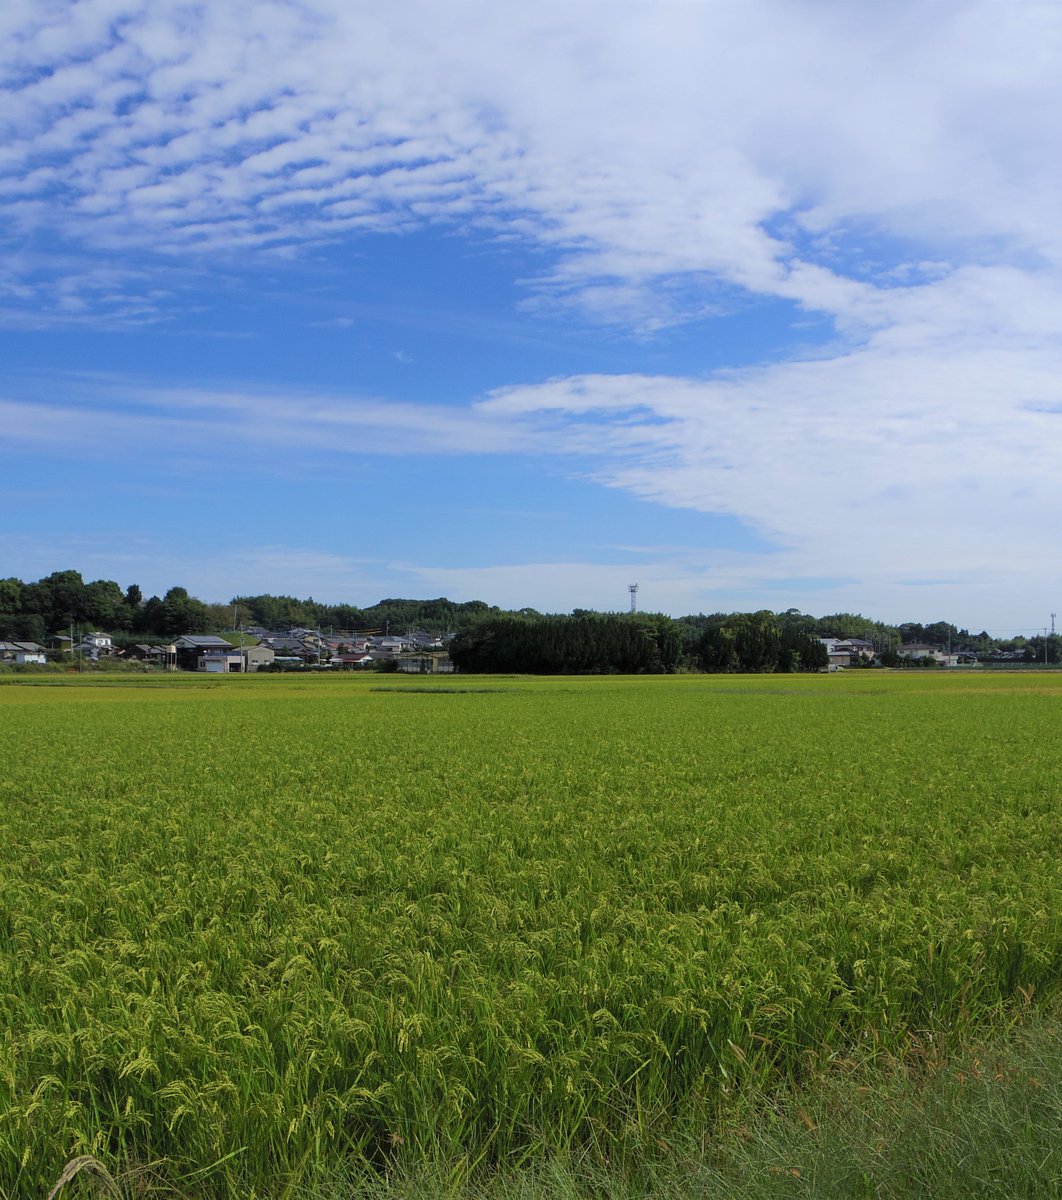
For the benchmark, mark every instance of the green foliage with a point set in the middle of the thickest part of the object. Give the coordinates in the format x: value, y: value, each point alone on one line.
x: 757, y: 643
x: 35, y: 611
x: 583, y: 644
x: 150, y: 618
x: 57, y: 600
x: 105, y: 606
x: 286, y: 612
x: 1044, y: 649
x: 846, y: 625
x: 982, y: 1126
x: 182, y: 613
x: 277, y: 612
x: 11, y: 595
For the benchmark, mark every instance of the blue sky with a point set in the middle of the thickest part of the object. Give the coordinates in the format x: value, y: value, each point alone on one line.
x: 754, y: 304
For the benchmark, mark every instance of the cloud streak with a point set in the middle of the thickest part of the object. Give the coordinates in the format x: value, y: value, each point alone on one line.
x: 109, y: 414
x: 877, y: 464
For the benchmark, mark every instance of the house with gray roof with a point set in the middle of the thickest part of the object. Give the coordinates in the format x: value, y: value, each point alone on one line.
x: 22, y: 652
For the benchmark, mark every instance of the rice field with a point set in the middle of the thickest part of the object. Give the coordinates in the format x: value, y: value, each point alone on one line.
x: 252, y: 928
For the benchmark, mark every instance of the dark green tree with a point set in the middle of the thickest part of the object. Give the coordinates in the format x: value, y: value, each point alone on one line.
x: 182, y: 613
x: 587, y: 643
x: 59, y: 599
x: 150, y: 619
x: 105, y: 606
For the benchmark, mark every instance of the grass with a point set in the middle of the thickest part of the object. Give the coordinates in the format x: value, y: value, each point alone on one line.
x: 984, y: 1126
x: 270, y: 935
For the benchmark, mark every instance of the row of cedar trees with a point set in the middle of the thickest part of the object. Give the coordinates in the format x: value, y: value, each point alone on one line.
x: 642, y: 643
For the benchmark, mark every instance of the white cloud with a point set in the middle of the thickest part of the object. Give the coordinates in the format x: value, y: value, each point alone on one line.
x: 107, y: 414
x: 930, y: 451
x: 640, y: 141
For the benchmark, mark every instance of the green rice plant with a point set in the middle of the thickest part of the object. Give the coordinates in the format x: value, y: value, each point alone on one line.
x: 256, y: 929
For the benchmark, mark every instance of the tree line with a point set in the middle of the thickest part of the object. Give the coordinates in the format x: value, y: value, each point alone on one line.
x: 287, y: 612
x: 36, y: 611
x: 589, y: 643
x: 523, y: 640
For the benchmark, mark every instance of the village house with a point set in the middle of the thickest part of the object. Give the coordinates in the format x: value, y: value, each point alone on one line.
x: 92, y: 645
x: 22, y: 652
x: 256, y: 657
x: 353, y: 661
x: 295, y: 645
x: 918, y: 650
x: 848, y: 652
x: 191, y: 647
x: 161, y: 656
x: 425, y: 664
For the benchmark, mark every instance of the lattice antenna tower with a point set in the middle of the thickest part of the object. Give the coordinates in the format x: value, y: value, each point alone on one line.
x: 633, y: 589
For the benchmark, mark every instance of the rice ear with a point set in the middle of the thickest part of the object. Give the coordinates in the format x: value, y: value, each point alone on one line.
x: 99, y: 1174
